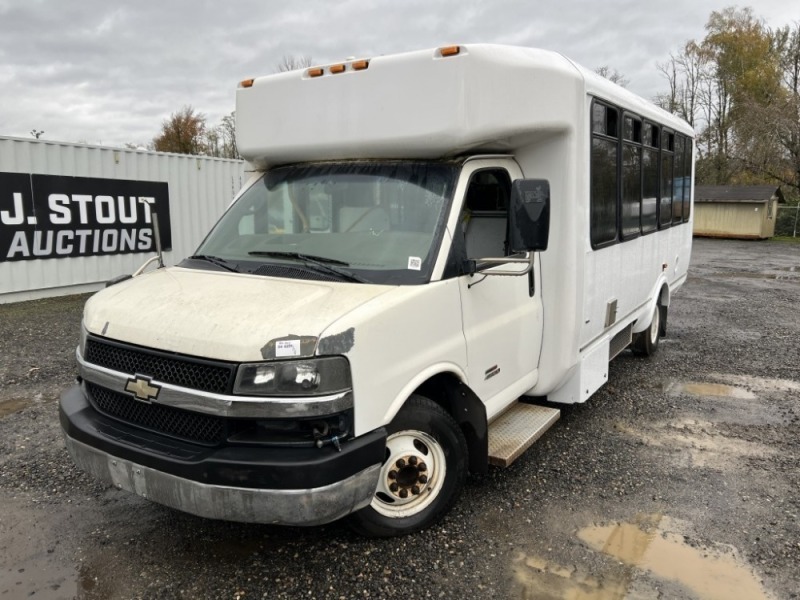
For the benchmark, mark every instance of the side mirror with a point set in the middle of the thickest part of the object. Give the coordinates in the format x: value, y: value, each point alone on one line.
x: 529, y: 215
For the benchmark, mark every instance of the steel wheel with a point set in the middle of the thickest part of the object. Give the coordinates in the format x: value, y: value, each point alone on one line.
x: 412, y: 475
x: 422, y: 474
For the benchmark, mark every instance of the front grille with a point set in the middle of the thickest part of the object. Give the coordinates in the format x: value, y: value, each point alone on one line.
x: 174, y: 422
x: 186, y: 372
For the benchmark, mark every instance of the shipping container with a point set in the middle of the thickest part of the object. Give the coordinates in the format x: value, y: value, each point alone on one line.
x: 73, y: 216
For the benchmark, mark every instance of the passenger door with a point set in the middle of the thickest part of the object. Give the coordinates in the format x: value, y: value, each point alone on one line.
x: 501, y: 315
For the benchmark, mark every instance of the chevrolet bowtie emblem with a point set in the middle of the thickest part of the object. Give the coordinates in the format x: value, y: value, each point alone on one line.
x: 143, y: 388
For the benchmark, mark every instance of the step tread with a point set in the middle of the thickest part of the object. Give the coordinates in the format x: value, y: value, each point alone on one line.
x: 516, y: 430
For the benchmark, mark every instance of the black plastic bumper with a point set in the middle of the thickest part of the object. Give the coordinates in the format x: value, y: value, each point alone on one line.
x: 235, y: 466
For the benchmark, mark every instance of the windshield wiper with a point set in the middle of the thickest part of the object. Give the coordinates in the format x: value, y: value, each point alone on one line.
x: 320, y: 263
x: 216, y: 260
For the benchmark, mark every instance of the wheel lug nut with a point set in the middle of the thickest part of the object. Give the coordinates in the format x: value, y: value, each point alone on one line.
x: 422, y: 466
x: 412, y: 460
x: 415, y: 490
x: 423, y: 479
x: 404, y: 493
x: 392, y: 474
x: 400, y: 463
x: 393, y: 486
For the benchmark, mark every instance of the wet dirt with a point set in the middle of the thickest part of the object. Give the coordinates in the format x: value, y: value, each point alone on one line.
x: 651, y: 553
x: 651, y: 544
x: 32, y: 561
x: 681, y: 469
x: 13, y: 405
x: 708, y: 389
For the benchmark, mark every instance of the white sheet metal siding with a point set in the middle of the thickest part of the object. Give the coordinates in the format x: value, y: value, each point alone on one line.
x: 200, y: 189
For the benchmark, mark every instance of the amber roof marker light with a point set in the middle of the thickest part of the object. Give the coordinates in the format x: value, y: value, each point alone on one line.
x: 315, y: 72
x: 449, y: 50
x: 246, y: 83
x: 359, y: 65
x: 340, y: 68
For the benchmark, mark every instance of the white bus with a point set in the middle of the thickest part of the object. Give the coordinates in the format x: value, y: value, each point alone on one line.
x: 431, y: 245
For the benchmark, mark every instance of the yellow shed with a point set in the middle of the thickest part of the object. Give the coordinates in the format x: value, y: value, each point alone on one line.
x: 736, y: 211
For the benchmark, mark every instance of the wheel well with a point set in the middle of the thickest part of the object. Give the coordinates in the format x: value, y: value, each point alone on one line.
x: 469, y: 412
x: 664, y: 295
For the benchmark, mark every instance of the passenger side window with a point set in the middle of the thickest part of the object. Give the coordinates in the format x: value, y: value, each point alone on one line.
x: 485, y: 215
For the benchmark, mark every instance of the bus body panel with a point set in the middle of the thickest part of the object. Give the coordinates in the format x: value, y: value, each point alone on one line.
x: 483, y: 116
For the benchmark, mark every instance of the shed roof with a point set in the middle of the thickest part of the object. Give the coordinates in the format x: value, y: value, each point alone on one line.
x: 736, y: 193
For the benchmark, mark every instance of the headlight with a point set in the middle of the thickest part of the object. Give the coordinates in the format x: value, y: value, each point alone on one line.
x: 310, y: 377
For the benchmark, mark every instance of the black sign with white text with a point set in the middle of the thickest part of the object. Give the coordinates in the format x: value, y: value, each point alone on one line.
x: 53, y: 216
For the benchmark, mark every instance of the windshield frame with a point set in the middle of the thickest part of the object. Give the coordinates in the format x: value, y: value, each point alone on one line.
x: 447, y: 171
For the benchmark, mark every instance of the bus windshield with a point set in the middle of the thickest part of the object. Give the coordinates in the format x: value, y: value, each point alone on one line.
x: 377, y: 222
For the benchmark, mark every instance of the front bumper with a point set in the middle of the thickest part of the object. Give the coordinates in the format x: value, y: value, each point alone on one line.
x: 290, y: 486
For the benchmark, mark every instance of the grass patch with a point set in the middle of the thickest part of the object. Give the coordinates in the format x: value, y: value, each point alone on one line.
x: 785, y: 239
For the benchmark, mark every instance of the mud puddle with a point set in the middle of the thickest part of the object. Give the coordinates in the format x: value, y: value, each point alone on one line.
x: 698, y: 443
x: 708, y: 390
x: 737, y: 387
x: 653, y: 559
x: 785, y: 274
x: 13, y: 405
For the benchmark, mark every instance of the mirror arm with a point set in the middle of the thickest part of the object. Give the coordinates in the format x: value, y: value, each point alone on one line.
x: 528, y: 260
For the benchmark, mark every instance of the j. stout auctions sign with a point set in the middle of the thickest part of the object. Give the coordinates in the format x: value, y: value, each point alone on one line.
x: 49, y: 216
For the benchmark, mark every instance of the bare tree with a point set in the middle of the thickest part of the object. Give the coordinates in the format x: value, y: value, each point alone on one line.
x: 227, y: 131
x: 292, y: 63
x: 612, y: 75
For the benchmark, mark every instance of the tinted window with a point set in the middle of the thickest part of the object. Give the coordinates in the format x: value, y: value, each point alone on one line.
x: 604, y: 191
x: 631, y: 189
x: 679, y: 180
x: 649, y: 189
x: 687, y: 181
x: 665, y: 200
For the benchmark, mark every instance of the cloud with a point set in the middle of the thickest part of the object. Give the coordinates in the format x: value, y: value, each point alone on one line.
x: 98, y: 71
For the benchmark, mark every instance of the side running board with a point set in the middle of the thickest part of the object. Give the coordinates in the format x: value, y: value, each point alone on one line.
x: 516, y: 430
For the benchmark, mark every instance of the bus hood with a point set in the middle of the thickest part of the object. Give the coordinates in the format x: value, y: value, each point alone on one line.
x: 221, y: 315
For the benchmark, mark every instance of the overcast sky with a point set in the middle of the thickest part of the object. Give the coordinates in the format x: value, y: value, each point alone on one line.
x: 107, y: 72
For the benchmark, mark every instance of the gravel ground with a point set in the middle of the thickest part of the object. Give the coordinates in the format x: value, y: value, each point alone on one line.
x: 678, y: 479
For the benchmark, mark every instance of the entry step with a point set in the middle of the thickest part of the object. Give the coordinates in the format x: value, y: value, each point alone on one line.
x: 516, y: 430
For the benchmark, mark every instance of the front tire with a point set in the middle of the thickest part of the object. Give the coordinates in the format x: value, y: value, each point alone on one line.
x: 422, y: 475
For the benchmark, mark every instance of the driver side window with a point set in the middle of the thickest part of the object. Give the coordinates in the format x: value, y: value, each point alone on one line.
x: 485, y: 214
